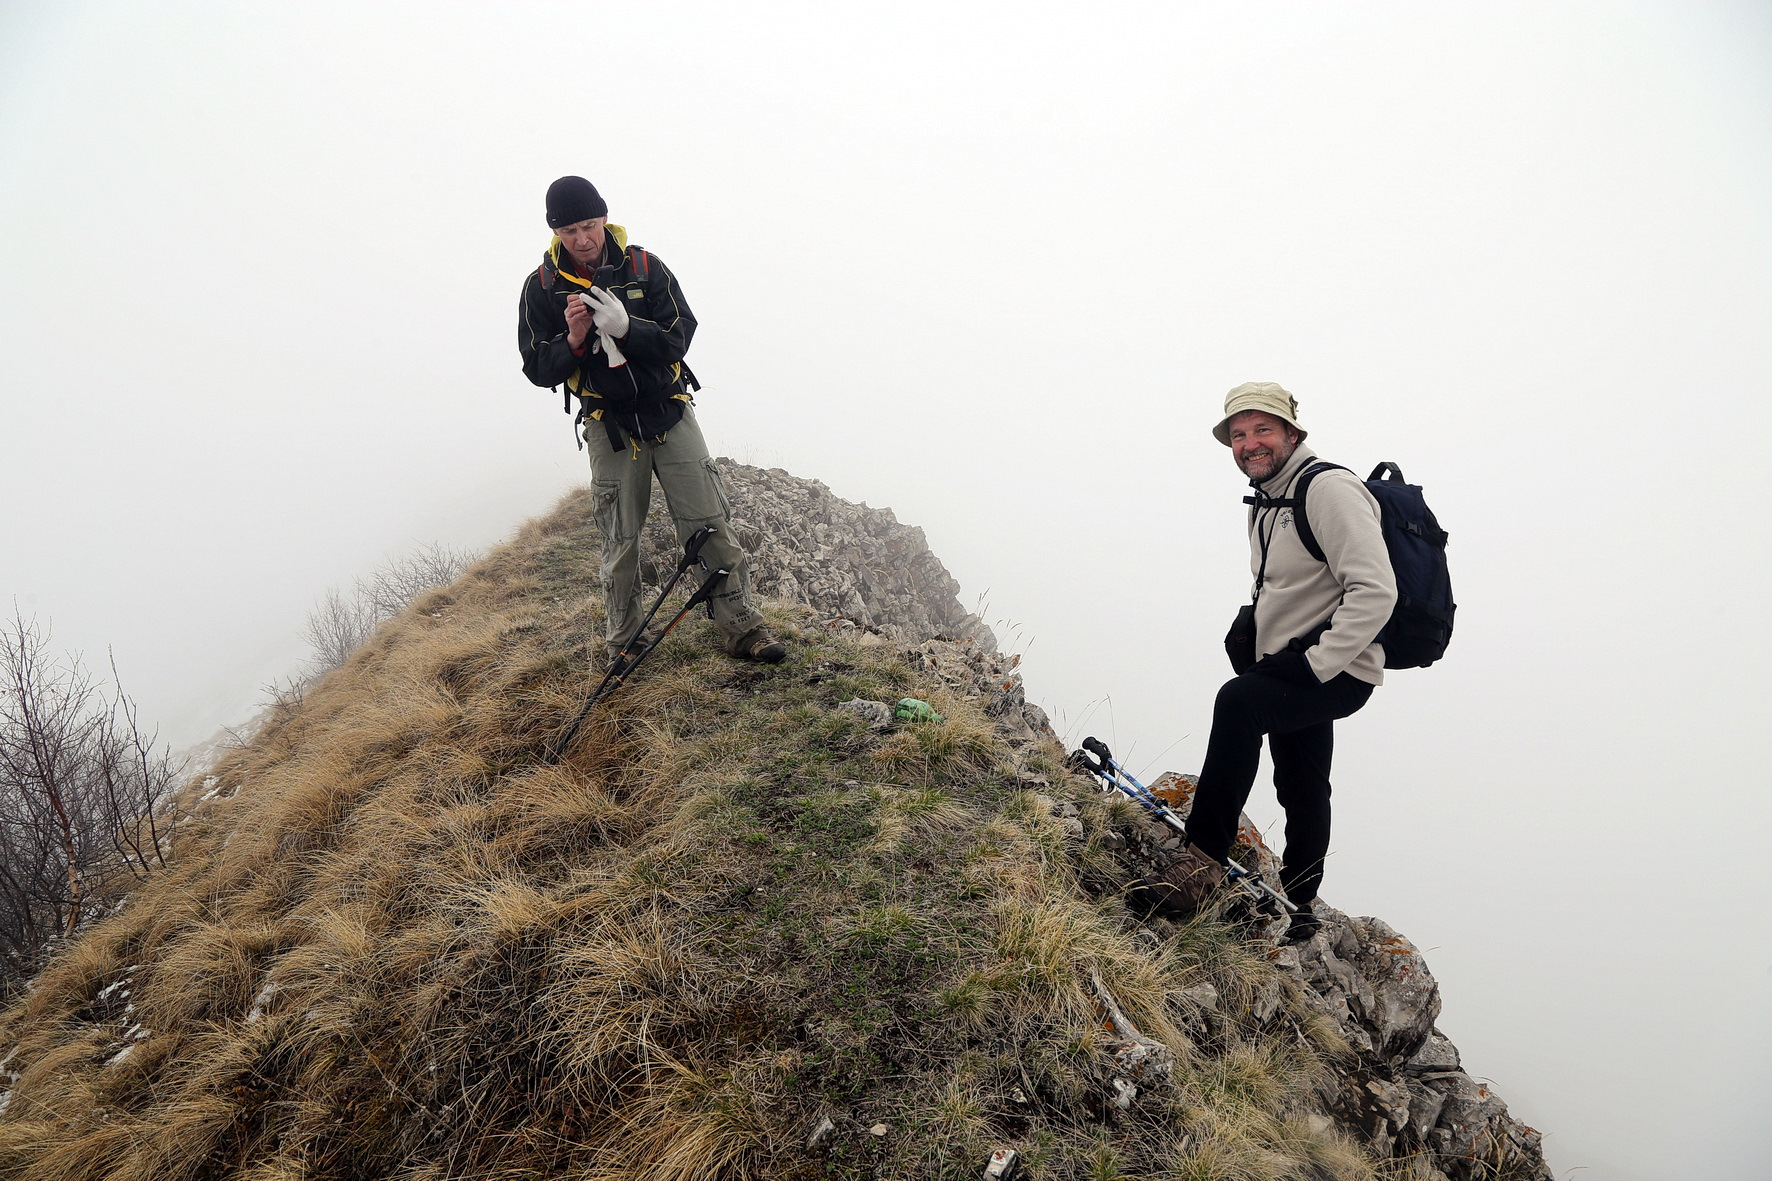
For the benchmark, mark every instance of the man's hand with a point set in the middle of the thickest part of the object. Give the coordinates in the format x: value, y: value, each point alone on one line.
x: 578, y: 323
x: 1289, y: 666
x: 606, y: 310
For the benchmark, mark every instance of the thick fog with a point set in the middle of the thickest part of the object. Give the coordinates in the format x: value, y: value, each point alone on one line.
x: 995, y: 266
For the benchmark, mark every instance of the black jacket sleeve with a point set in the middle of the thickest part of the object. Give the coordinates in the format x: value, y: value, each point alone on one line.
x: 664, y: 336
x: 541, y: 336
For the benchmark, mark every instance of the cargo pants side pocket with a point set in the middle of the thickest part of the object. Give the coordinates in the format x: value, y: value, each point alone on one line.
x: 606, y: 509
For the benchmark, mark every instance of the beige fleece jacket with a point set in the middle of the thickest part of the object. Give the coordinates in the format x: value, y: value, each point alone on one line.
x: 1355, y: 584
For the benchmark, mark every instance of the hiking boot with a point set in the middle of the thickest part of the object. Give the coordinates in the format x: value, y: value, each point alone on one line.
x: 1305, y: 923
x: 631, y: 647
x: 1182, y: 888
x: 760, y: 644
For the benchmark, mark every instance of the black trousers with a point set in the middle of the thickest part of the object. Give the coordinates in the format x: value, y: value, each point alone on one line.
x: 1300, y: 725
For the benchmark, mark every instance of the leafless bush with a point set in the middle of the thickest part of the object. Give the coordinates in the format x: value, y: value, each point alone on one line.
x: 341, y: 622
x: 86, y: 795
x: 402, y: 580
x: 337, y: 627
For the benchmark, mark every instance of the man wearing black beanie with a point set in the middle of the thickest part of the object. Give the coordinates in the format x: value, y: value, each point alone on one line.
x: 607, y: 320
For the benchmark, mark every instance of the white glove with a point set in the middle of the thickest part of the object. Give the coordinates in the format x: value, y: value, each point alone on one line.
x: 607, y: 313
x: 601, y: 314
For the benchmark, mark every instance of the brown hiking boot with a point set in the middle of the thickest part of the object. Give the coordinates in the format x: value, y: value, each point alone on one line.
x: 1184, y: 886
x: 760, y: 644
x: 632, y: 647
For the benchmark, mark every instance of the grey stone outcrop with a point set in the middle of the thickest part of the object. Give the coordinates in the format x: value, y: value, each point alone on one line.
x: 841, y: 559
x: 1404, y: 1091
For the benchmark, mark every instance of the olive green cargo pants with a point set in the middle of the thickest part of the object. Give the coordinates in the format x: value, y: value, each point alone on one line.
x: 692, y: 488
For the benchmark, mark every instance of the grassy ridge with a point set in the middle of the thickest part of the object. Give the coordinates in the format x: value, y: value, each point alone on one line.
x: 396, y: 945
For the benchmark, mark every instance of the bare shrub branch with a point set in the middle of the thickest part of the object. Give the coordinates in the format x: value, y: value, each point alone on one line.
x: 341, y: 622
x: 337, y: 628
x: 87, y: 796
x: 402, y: 580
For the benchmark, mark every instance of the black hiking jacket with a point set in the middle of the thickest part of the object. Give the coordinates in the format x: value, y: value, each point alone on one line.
x: 645, y: 397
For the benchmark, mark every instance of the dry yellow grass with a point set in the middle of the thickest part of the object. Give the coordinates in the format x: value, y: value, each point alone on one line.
x: 396, y: 944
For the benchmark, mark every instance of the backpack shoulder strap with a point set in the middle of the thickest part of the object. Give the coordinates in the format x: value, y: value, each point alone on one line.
x: 640, y: 261
x: 1300, y: 520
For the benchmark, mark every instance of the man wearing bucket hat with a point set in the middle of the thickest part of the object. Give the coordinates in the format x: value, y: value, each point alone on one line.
x: 1305, y: 649
x: 607, y: 320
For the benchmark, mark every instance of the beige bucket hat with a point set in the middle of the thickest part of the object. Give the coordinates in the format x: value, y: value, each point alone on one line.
x: 1266, y: 396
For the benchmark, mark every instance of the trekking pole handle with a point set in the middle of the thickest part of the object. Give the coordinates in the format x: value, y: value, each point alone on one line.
x: 1112, y: 773
x: 1114, y: 780
x: 1081, y: 761
x: 705, y: 591
x: 692, y: 547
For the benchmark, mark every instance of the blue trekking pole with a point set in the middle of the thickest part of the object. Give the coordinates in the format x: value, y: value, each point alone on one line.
x: 1132, y: 787
x: 1114, y: 777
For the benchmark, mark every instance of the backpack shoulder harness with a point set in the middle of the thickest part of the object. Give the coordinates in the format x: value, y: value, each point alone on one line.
x: 1420, y: 625
x: 640, y: 263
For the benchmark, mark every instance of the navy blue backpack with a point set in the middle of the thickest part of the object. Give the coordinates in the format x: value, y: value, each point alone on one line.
x: 1420, y: 626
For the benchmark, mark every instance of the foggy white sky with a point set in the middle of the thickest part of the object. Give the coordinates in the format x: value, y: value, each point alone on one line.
x: 995, y: 268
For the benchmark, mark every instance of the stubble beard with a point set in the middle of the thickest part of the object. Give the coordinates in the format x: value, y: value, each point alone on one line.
x: 1276, y: 457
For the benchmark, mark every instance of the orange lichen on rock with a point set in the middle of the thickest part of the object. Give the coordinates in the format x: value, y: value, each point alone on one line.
x: 1174, y: 790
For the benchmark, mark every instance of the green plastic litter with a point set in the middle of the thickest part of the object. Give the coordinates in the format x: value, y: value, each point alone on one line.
x: 911, y: 710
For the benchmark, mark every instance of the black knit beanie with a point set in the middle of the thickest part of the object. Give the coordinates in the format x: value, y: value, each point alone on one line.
x: 573, y: 199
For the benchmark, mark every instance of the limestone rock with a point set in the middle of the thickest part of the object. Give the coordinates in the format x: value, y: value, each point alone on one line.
x: 1405, y: 1093
x: 843, y: 560
x: 866, y: 575
x: 972, y: 670
x: 877, y: 714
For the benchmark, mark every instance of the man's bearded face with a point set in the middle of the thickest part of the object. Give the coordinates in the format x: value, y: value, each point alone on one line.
x: 1261, y: 443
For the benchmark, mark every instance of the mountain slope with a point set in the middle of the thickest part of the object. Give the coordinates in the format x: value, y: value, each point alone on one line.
x: 744, y: 929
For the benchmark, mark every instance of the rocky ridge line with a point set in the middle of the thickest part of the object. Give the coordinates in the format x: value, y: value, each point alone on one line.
x: 1405, y: 1094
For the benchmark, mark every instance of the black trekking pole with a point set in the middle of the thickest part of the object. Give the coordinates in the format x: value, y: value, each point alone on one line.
x: 691, y: 555
x: 1117, y: 778
x: 625, y: 665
